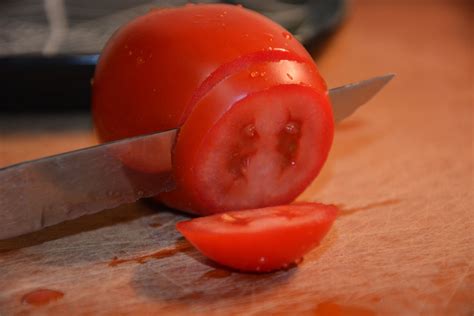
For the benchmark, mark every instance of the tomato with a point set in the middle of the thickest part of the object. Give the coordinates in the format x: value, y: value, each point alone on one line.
x: 260, y: 240
x: 255, y: 121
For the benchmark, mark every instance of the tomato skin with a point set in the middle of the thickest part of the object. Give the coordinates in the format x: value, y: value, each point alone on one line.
x: 151, y: 67
x: 260, y: 240
x: 187, y: 67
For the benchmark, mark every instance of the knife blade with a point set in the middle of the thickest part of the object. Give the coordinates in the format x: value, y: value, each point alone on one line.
x: 48, y: 191
x: 348, y: 98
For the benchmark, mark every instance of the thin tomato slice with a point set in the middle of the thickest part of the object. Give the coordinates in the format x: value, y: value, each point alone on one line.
x: 260, y: 240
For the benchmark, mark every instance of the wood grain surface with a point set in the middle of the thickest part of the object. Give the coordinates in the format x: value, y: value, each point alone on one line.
x: 401, y: 170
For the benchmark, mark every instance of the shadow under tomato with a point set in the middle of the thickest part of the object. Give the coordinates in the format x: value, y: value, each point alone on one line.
x: 189, y: 282
x: 192, y: 278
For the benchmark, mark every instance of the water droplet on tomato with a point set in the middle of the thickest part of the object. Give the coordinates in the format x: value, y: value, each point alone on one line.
x: 293, y: 163
x: 140, y: 60
x: 286, y: 35
x: 262, y: 259
x: 270, y: 36
x: 254, y: 74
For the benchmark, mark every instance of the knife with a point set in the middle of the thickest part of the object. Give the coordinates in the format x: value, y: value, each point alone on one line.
x: 43, y: 192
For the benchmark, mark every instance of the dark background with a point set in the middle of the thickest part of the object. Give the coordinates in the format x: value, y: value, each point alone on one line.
x: 49, y: 48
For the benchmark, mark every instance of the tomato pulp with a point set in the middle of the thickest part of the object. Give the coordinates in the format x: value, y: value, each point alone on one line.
x: 255, y: 120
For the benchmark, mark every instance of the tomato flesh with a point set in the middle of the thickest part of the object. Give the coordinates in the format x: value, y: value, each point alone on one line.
x: 249, y: 160
x: 260, y: 240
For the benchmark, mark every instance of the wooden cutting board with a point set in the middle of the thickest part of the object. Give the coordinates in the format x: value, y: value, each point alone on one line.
x: 401, y: 169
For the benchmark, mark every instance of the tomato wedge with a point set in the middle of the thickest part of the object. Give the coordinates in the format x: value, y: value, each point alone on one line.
x: 260, y: 240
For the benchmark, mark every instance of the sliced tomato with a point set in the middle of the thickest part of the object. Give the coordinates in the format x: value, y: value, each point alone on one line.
x: 255, y: 121
x: 260, y: 240
x: 264, y: 151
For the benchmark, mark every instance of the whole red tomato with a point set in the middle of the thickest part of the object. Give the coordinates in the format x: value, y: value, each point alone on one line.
x: 255, y: 121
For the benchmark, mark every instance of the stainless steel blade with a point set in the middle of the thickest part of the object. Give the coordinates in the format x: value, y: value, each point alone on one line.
x: 44, y: 192
x: 348, y: 98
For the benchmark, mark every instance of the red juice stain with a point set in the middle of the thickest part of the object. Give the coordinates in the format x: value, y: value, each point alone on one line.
x: 163, y: 253
x: 334, y: 309
x: 41, y: 297
x: 376, y: 299
x: 193, y: 296
x: 343, y: 211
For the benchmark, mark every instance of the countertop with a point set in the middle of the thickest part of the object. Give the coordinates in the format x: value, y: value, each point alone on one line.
x: 401, y: 170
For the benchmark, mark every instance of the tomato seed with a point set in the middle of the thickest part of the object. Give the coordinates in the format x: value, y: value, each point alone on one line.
x: 228, y: 218
x: 254, y: 74
x: 292, y: 128
x: 250, y: 130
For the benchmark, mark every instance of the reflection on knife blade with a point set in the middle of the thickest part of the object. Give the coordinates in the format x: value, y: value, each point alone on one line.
x: 348, y: 98
x: 47, y: 191
x: 44, y: 192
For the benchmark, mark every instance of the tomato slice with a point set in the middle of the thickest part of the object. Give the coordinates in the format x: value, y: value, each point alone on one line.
x: 270, y: 136
x: 260, y: 240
